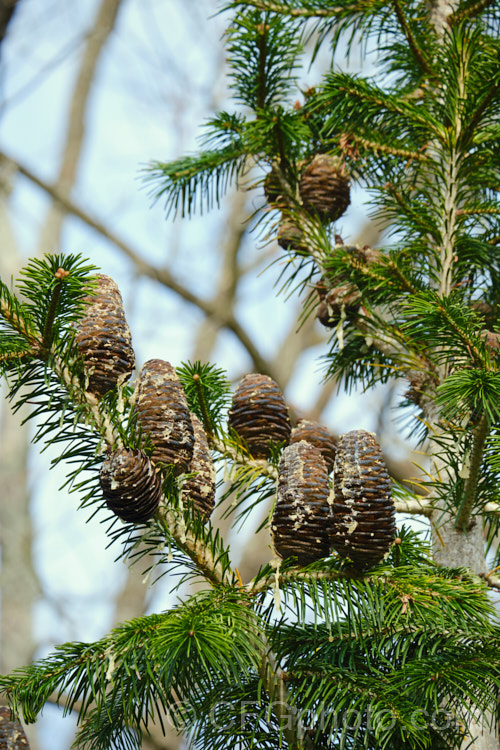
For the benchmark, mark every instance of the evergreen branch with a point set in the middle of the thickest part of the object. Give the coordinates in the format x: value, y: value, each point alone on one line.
x: 20, y: 325
x: 177, y: 654
x: 208, y: 392
x: 418, y: 53
x: 286, y: 8
x: 405, y: 284
x: 263, y: 53
x: 361, y: 98
x: 288, y: 715
x: 373, y: 146
x: 204, y: 177
x: 479, y: 438
x: 410, y: 211
x: 468, y: 11
x: 207, y: 422
x: 239, y: 456
x: 212, y: 561
x: 260, y: 101
x: 474, y: 351
x: 473, y: 122
x: 490, y: 211
x: 27, y: 354
x: 61, y: 274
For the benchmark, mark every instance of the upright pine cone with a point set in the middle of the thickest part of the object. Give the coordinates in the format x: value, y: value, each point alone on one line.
x: 290, y: 237
x: 163, y: 412
x: 12, y: 735
x: 273, y: 188
x: 316, y: 434
x: 341, y: 301
x: 130, y: 485
x: 103, y: 338
x: 363, y: 522
x: 299, y: 524
x: 324, y: 187
x: 201, y: 488
x: 259, y: 414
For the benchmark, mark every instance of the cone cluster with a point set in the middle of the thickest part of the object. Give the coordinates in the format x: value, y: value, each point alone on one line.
x: 299, y: 524
x: 259, y: 414
x: 130, y: 485
x: 103, y: 339
x: 163, y: 413
x: 200, y: 488
x: 363, y: 517
x: 356, y: 517
x: 324, y: 188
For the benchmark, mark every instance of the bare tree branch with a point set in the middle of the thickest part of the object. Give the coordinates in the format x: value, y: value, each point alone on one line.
x: 162, y: 275
x: 103, y: 26
x: 7, y: 8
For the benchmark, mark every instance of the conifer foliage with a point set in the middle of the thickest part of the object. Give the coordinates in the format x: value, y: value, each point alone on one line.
x: 352, y: 636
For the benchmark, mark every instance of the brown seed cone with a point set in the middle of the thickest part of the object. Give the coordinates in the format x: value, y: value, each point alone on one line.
x: 491, y: 339
x: 259, y: 414
x: 482, y: 307
x: 273, y: 188
x: 103, y: 338
x: 301, y: 515
x: 12, y: 735
x: 363, y: 523
x: 201, y: 488
x: 290, y: 237
x: 163, y: 412
x: 345, y: 298
x: 369, y: 254
x: 130, y: 485
x: 316, y: 434
x: 324, y: 188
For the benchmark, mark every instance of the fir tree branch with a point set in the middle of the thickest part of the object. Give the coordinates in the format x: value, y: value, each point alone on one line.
x: 235, y: 454
x: 480, y: 435
x: 19, y: 356
x: 473, y: 123
x: 469, y: 11
x: 475, y: 353
x: 289, y: 718
x: 385, y: 148
x: 294, y: 12
x: 20, y: 327
x: 490, y: 211
x: 418, y: 53
x: 207, y: 421
x: 260, y: 99
x: 411, y: 212
x: 47, y: 334
x: 212, y: 568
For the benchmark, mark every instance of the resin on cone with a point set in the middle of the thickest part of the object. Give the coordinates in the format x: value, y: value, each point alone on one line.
x: 163, y: 413
x: 103, y: 339
x: 200, y: 489
x: 130, y: 485
x: 259, y: 414
x: 340, y: 302
x: 299, y: 525
x: 315, y: 433
x: 363, y: 523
